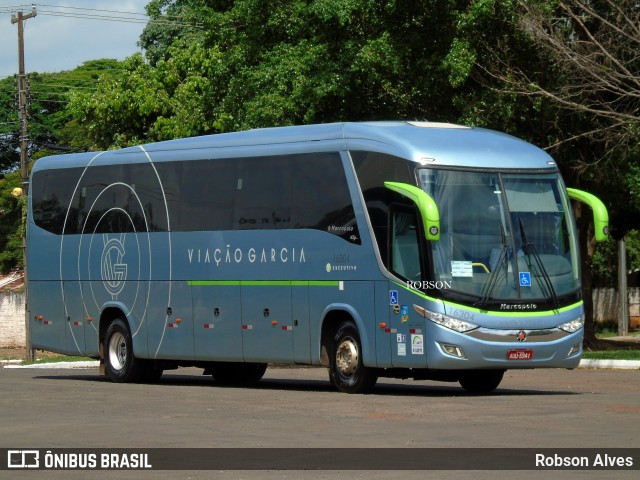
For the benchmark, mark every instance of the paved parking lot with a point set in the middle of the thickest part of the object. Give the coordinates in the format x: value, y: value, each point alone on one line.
x: 296, y: 407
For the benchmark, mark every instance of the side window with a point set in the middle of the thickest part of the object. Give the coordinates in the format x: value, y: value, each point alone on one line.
x: 199, y: 193
x: 122, y: 198
x: 263, y: 193
x: 373, y: 169
x: 405, y: 244
x: 50, y: 195
x: 307, y: 191
x: 321, y: 199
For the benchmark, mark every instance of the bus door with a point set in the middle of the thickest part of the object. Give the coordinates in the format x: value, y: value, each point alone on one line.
x: 405, y: 327
x: 217, y: 315
x: 267, y: 322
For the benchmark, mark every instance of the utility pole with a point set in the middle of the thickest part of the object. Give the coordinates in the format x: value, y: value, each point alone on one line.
x: 623, y: 296
x: 20, y: 18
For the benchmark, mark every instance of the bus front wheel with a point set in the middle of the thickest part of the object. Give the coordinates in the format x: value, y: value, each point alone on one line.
x: 120, y: 364
x: 347, y: 371
x: 480, y: 381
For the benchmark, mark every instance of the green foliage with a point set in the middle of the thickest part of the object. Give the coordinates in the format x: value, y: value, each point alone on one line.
x: 604, y: 264
x: 9, y: 125
x: 51, y: 129
x: 605, y: 260
x: 49, y: 126
x: 629, y: 354
x: 11, y: 223
x: 258, y: 63
x: 632, y: 181
x: 633, y: 250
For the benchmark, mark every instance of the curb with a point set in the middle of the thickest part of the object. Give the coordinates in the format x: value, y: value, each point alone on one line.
x: 610, y: 364
x: 57, y: 365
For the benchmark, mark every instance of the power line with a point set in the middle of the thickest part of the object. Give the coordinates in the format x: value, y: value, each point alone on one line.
x: 59, y: 85
x: 107, y: 11
x: 107, y: 15
x: 119, y: 19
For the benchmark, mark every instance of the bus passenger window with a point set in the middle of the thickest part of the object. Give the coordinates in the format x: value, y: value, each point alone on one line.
x: 405, y: 245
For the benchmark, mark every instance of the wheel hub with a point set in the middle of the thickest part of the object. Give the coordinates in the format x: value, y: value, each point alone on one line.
x: 118, y: 351
x: 347, y: 357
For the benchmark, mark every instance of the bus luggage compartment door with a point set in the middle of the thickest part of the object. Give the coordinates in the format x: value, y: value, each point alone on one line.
x: 267, y: 324
x: 217, y: 322
x: 48, y: 323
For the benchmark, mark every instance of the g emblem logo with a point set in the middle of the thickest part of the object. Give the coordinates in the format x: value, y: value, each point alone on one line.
x: 114, y: 270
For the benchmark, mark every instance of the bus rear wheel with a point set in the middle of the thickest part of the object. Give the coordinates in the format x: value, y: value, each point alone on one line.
x: 480, y: 381
x: 121, y: 365
x: 347, y: 371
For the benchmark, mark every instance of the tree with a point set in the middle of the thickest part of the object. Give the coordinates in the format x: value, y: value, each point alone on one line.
x: 257, y: 63
x: 580, y: 75
x: 9, y: 125
x: 50, y: 131
x: 11, y: 209
x: 569, y: 70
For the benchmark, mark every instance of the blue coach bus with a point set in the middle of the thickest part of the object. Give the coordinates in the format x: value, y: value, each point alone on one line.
x: 384, y: 249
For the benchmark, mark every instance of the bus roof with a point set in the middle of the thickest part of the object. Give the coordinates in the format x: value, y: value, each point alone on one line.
x: 429, y: 143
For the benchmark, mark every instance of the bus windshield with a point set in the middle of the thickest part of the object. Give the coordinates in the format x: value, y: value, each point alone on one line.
x: 505, y: 237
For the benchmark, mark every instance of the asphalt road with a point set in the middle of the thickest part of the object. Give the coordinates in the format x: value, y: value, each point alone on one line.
x: 296, y: 407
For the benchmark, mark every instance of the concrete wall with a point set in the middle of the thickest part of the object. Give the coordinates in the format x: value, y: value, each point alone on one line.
x: 605, y: 306
x: 12, y: 313
x: 12, y: 320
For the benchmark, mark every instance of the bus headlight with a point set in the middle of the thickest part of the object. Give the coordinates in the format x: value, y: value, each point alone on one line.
x: 450, y: 322
x: 573, y: 326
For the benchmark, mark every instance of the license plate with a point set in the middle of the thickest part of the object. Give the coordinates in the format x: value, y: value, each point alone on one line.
x: 519, y: 354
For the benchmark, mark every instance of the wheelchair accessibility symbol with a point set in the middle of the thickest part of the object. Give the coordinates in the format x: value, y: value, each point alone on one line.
x: 525, y: 279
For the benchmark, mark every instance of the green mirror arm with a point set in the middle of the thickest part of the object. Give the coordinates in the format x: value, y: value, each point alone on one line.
x: 600, y: 214
x: 426, y: 205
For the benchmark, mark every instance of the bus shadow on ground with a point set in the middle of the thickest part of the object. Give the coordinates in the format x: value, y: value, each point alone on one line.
x: 422, y: 389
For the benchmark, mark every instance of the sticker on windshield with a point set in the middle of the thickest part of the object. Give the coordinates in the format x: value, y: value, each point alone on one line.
x: 461, y: 268
x: 525, y: 279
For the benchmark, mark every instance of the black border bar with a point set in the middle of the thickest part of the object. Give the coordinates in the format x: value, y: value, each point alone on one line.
x: 320, y: 459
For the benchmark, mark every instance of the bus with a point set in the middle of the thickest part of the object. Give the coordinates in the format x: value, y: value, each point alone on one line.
x: 397, y: 249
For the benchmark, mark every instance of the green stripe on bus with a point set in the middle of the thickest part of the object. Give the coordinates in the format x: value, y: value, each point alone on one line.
x: 510, y: 313
x: 263, y: 283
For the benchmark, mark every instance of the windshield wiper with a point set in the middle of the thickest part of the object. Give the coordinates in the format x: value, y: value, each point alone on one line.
x: 493, y: 276
x: 530, y: 250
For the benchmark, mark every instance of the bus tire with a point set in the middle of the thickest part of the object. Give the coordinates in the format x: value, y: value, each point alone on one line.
x: 121, y: 366
x: 231, y: 373
x: 347, y: 371
x: 480, y: 382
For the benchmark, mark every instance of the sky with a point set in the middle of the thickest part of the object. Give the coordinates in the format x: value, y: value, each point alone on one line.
x: 55, y: 43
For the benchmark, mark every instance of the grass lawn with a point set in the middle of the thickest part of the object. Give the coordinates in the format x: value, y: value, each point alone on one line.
x: 612, y: 355
x: 55, y: 358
